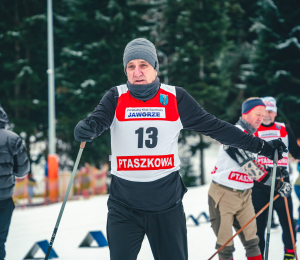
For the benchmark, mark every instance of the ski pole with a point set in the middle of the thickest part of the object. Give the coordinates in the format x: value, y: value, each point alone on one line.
x: 271, y: 204
x: 242, y: 228
x: 290, y: 224
x: 82, y: 145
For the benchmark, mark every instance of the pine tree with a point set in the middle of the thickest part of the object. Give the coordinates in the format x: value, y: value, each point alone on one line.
x: 89, y: 40
x: 235, y: 57
x: 195, y: 35
x: 91, y: 62
x: 277, y: 59
x: 23, y: 61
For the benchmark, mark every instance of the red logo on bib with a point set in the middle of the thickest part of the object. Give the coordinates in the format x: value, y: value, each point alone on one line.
x: 240, y: 177
x: 265, y: 161
x: 144, y: 163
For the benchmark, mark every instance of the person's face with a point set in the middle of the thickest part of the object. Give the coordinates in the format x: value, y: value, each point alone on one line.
x: 269, y: 117
x: 255, y: 116
x: 140, y: 72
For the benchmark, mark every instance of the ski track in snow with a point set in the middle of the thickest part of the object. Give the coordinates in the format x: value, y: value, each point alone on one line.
x: 35, y: 224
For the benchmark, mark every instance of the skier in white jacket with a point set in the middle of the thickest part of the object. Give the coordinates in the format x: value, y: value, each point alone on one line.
x: 229, y: 200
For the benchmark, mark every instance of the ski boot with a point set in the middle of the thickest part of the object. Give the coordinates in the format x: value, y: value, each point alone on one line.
x: 289, y: 254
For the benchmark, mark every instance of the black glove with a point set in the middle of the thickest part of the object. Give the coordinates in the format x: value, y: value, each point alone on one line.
x: 284, y: 172
x: 283, y: 188
x: 280, y: 172
x: 85, y: 130
x: 269, y: 148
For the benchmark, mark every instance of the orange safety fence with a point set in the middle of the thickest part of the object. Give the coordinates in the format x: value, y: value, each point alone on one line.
x: 88, y: 181
x: 91, y: 181
x: 21, y: 190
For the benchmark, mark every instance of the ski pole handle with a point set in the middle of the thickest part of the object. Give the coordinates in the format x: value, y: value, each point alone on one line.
x: 82, y: 145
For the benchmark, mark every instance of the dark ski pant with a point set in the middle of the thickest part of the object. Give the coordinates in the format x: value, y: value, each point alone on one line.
x: 260, y: 197
x: 166, y: 232
x: 6, y: 209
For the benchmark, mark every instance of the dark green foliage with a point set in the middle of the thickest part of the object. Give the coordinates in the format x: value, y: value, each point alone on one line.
x: 277, y: 59
x: 23, y: 66
x: 235, y: 57
x: 89, y: 40
x: 90, y: 64
x: 195, y: 32
x: 186, y: 172
x: 209, y: 45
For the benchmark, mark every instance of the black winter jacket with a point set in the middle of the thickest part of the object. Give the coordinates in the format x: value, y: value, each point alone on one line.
x: 13, y: 162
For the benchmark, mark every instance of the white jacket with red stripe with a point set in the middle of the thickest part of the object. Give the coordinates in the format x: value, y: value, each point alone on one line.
x: 277, y: 130
x: 227, y: 171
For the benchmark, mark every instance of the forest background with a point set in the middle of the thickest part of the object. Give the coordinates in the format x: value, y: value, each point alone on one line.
x: 221, y: 52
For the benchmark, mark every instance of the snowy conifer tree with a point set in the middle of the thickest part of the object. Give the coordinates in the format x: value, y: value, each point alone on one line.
x: 91, y: 62
x: 195, y: 34
x: 277, y: 59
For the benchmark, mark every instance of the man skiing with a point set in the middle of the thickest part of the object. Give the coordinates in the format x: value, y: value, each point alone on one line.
x: 270, y: 130
x: 230, y: 191
x: 13, y: 163
x: 145, y: 118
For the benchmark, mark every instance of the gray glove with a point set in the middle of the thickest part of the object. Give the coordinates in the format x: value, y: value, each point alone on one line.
x: 85, y: 130
x: 284, y: 188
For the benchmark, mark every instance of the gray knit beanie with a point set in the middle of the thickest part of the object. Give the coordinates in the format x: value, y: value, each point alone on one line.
x: 140, y: 48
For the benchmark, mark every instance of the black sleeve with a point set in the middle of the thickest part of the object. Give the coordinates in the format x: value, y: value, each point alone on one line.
x: 104, y: 113
x: 194, y: 117
x: 21, y: 162
x: 294, y: 149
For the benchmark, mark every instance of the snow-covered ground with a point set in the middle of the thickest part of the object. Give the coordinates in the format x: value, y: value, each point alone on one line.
x: 36, y: 224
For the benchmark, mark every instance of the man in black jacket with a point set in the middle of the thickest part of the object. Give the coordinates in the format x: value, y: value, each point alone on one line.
x: 13, y: 163
x: 145, y: 118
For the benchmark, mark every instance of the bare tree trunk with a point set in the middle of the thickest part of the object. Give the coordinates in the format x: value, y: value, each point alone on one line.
x: 17, y: 57
x: 201, y: 72
x: 201, y: 5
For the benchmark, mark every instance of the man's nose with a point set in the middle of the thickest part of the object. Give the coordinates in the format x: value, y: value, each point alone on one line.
x: 137, y: 72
